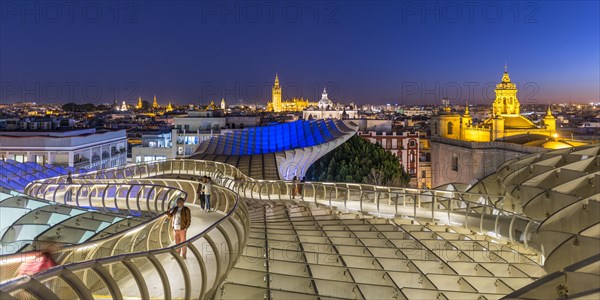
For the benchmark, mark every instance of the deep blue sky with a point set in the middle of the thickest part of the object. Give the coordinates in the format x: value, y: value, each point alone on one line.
x: 366, y: 52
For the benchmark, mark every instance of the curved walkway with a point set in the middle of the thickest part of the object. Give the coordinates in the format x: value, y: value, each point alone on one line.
x: 346, y: 242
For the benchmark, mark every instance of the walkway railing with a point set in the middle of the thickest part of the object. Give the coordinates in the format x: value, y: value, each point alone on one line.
x: 436, y: 207
x: 147, y: 199
x: 121, y: 265
x: 125, y: 273
x: 475, y: 211
x: 151, y: 198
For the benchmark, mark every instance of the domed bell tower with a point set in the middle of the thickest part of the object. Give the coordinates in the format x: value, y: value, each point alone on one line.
x: 506, y: 102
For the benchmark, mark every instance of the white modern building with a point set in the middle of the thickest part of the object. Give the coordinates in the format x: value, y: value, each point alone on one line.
x: 78, y: 148
x: 187, y: 134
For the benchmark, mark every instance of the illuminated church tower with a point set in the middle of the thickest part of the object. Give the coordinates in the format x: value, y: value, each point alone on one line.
x: 506, y: 102
x: 504, y: 124
x: 139, y: 104
x: 155, y: 103
x: 293, y: 105
x: 276, y: 96
x: 550, y: 121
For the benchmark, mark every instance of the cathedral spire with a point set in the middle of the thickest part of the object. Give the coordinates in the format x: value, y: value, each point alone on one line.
x: 155, y: 103
x: 467, y: 108
x: 549, y: 111
x: 505, y: 67
x: 276, y: 80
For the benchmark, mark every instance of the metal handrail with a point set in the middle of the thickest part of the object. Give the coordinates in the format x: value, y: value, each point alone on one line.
x: 222, y: 167
x: 60, y: 190
x: 65, y: 253
x: 451, y: 202
x: 318, y: 193
x: 241, y: 216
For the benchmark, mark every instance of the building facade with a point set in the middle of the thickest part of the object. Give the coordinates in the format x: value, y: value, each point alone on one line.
x: 456, y: 161
x: 81, y: 148
x: 187, y: 133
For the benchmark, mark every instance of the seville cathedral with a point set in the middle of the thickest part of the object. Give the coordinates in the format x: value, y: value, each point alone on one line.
x: 464, y: 151
x: 504, y: 124
x: 293, y: 105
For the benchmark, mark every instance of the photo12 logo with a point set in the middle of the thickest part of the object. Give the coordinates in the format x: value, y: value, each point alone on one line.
x: 469, y: 12
x: 69, y: 12
x: 252, y: 92
x: 474, y: 92
x: 270, y: 12
x: 69, y: 91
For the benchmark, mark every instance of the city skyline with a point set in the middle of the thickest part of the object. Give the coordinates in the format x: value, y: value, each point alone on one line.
x: 411, y: 53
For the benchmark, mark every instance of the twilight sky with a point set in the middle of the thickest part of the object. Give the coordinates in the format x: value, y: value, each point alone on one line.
x: 368, y: 52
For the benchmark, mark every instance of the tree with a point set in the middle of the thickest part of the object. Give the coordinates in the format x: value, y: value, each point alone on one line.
x: 375, y: 177
x: 359, y: 161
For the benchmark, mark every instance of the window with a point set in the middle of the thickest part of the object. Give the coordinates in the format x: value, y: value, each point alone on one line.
x: 454, y: 162
x: 423, y: 174
x: 411, y: 143
x: 450, y: 128
x: 149, y: 158
x: 191, y: 140
x: 40, y: 159
x: 435, y: 129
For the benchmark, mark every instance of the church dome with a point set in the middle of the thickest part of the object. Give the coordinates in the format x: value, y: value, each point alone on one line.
x: 559, y: 144
x: 324, y: 103
x: 518, y: 122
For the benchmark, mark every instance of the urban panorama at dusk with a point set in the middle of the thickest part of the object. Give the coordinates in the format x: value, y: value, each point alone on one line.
x: 299, y: 149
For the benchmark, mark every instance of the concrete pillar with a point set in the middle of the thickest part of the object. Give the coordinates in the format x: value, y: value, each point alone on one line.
x: 71, y: 159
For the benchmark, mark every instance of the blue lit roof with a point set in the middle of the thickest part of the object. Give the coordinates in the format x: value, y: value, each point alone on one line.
x: 16, y: 176
x: 273, y: 138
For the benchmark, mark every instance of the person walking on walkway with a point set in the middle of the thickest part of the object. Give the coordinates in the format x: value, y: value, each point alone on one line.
x: 300, y: 188
x: 200, y: 193
x: 41, y: 263
x: 68, y: 192
x: 207, y: 192
x: 294, y: 187
x: 181, y: 219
